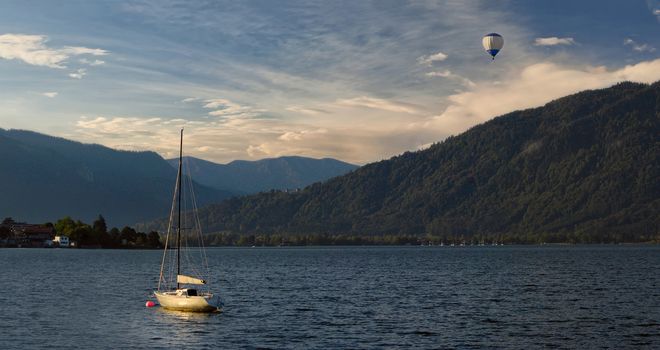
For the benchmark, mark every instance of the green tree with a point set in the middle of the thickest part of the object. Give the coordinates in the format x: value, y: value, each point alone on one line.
x: 100, y: 230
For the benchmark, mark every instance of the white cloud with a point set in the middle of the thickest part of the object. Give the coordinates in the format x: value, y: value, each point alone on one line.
x: 90, y: 62
x: 258, y: 151
x: 535, y: 85
x: 32, y: 49
x: 637, y: 46
x: 229, y: 110
x: 553, y: 41
x: 428, y: 60
x: 654, y: 7
x: 306, y: 110
x: 79, y: 73
x: 77, y: 50
x: 190, y: 99
x: 377, y: 103
x: 50, y: 94
x: 448, y: 74
x: 300, y: 135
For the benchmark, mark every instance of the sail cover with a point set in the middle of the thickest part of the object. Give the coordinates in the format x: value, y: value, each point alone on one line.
x: 189, y: 280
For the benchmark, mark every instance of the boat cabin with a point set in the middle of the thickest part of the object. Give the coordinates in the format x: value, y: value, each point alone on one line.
x: 186, y: 292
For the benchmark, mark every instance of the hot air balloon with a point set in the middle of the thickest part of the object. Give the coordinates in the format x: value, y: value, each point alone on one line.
x: 493, y: 43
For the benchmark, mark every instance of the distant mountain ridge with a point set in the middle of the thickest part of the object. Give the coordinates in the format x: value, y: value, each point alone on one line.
x: 583, y: 168
x: 247, y: 177
x: 45, y: 178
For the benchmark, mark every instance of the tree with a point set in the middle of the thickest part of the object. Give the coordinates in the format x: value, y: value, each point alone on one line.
x: 8, y: 221
x: 100, y: 230
x: 128, y: 235
x: 65, y: 226
x: 153, y: 239
x: 5, y: 232
x: 99, y: 225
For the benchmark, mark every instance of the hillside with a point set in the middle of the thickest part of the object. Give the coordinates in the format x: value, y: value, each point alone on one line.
x: 581, y: 168
x: 45, y: 178
x: 254, y: 176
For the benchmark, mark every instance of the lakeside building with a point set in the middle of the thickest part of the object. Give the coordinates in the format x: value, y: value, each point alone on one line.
x: 34, y: 236
x: 62, y: 241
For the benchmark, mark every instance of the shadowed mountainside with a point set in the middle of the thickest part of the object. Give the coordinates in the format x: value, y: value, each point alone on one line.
x: 44, y: 178
x: 275, y: 173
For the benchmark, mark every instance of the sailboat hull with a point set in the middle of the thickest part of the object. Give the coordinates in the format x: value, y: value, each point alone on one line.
x: 200, y: 303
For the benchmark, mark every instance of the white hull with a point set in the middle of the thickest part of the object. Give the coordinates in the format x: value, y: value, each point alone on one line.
x: 201, y: 303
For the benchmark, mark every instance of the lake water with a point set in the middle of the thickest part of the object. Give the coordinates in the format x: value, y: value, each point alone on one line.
x: 341, y: 297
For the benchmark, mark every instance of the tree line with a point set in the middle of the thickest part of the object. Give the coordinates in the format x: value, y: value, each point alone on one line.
x: 95, y: 235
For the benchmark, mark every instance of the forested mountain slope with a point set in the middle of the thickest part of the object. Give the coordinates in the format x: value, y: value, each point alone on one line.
x: 584, y: 165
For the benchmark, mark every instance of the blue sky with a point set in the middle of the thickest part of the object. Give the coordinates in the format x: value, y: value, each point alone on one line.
x: 354, y: 80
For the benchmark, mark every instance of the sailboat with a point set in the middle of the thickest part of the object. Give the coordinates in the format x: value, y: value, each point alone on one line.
x: 178, y: 285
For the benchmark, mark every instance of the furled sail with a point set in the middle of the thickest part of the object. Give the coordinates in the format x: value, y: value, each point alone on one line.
x: 189, y: 280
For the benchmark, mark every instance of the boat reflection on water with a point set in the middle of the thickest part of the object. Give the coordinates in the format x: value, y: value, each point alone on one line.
x: 164, y: 314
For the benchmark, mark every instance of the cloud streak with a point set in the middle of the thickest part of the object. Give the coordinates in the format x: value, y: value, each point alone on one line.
x: 553, y: 41
x: 428, y: 60
x: 227, y: 109
x: 377, y: 103
x: 448, y: 74
x: 637, y: 46
x: 78, y: 74
x: 384, y: 128
x: 32, y: 49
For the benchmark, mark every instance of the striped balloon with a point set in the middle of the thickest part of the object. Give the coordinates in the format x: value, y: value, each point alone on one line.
x: 493, y: 43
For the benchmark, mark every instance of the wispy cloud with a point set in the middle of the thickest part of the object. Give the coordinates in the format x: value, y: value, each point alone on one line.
x: 50, y: 94
x: 428, y: 60
x: 377, y: 103
x: 384, y: 128
x: 79, y: 73
x: 553, y: 41
x: 300, y: 135
x: 227, y: 109
x: 306, y: 110
x: 190, y: 99
x: 654, y: 7
x: 90, y: 62
x: 32, y: 49
x: 448, y: 74
x: 638, y: 46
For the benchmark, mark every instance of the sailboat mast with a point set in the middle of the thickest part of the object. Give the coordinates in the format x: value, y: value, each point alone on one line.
x: 178, y: 228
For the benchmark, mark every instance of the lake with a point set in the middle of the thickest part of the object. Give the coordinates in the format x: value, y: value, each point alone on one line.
x: 341, y: 297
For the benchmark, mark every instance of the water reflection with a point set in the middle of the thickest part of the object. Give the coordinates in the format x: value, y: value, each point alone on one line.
x: 165, y: 314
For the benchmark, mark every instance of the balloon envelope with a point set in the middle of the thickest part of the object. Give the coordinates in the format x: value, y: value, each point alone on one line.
x: 493, y: 43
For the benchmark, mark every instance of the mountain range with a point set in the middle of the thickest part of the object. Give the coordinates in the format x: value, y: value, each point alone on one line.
x: 283, y: 173
x: 44, y: 178
x: 581, y: 168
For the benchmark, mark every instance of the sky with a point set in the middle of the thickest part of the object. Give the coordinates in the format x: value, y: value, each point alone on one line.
x: 358, y: 81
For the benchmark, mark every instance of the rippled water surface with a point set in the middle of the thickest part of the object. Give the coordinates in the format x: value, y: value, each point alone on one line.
x: 321, y: 298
